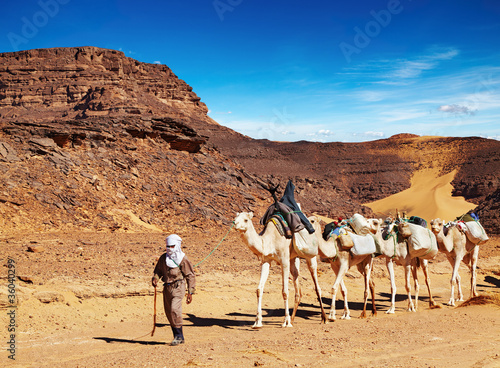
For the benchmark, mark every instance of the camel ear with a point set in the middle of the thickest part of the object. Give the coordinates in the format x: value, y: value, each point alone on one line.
x: 251, y: 214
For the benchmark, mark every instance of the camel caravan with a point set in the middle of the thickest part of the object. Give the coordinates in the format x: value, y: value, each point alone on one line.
x: 289, y: 236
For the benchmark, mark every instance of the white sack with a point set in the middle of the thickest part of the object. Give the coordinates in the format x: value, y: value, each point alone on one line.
x: 305, y: 244
x: 359, y: 224
x: 422, y: 242
x: 363, y: 244
x: 475, y: 232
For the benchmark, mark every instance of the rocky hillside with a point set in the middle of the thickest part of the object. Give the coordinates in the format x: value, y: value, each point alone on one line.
x: 91, y: 139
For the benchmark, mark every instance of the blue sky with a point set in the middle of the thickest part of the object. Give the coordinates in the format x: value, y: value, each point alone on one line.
x: 291, y: 70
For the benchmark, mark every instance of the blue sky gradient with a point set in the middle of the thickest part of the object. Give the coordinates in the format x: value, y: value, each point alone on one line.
x: 294, y: 70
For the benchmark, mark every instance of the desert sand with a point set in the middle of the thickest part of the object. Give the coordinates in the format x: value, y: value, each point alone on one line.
x: 428, y: 197
x: 91, y: 305
x: 85, y: 300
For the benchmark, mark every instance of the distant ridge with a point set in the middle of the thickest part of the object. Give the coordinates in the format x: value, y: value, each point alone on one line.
x: 87, y: 134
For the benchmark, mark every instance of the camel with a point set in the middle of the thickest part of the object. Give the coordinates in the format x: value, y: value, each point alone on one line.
x: 341, y: 260
x: 394, y: 249
x: 271, y: 246
x: 457, y: 247
x: 418, y: 262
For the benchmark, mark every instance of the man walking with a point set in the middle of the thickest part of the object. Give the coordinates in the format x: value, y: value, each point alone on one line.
x: 174, y: 269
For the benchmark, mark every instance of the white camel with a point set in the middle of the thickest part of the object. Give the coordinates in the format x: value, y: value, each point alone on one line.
x: 404, y: 229
x: 394, y: 249
x: 457, y: 247
x: 341, y: 261
x: 271, y: 246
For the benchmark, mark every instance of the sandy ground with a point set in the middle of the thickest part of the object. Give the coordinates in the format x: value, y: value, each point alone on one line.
x: 104, y: 318
x: 428, y: 197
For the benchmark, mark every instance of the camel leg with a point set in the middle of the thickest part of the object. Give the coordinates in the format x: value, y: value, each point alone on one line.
x: 372, y: 292
x: 390, y: 267
x: 294, y: 270
x: 425, y: 268
x: 473, y: 275
x: 455, y: 261
x: 365, y: 268
x: 285, y: 273
x: 312, y: 264
x: 459, y: 287
x: 338, y: 280
x: 264, y: 273
x: 343, y: 291
x: 408, y: 272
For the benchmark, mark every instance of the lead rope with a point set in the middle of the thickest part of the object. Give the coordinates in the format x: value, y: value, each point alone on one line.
x: 213, y: 250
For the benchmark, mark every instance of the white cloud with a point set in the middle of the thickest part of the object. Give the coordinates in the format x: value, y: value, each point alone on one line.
x: 457, y: 109
x: 325, y: 132
x: 371, y: 96
x: 414, y: 68
x: 369, y: 135
x: 374, y: 134
x: 398, y: 115
x: 495, y: 137
x: 156, y: 62
x: 401, y: 71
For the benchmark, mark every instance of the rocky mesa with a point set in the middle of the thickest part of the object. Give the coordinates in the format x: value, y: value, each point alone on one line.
x: 93, y: 140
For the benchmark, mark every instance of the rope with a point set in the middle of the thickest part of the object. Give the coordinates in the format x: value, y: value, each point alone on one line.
x: 213, y: 250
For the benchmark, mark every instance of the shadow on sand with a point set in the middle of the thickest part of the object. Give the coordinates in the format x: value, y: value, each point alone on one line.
x: 128, y: 341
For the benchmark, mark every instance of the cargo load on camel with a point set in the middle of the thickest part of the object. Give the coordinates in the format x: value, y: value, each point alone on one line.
x: 473, y: 229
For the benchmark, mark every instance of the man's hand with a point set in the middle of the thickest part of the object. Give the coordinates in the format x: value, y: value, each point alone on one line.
x: 189, y: 298
x: 154, y: 281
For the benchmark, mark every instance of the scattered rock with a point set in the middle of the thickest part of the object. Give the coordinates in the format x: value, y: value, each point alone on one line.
x: 44, y: 142
x: 36, y: 248
x: 7, y: 153
x: 49, y: 296
x: 26, y: 279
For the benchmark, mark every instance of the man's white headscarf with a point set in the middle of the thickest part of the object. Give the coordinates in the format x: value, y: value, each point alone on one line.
x: 175, y: 254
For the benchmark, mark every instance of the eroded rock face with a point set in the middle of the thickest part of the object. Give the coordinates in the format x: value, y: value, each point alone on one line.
x: 489, y: 213
x: 82, y: 82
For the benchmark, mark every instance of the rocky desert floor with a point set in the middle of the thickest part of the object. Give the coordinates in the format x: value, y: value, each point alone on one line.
x: 85, y: 300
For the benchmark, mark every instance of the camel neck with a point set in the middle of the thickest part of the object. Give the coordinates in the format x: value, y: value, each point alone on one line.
x: 253, y: 240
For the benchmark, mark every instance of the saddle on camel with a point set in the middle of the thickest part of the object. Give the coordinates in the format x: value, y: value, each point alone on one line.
x: 286, y: 213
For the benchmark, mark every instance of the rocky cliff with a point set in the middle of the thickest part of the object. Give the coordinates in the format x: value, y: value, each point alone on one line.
x: 91, y: 139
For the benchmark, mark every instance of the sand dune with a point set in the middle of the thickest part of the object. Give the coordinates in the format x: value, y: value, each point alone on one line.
x: 428, y: 197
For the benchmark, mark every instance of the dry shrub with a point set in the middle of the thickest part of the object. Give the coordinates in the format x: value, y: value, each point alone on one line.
x: 482, y: 300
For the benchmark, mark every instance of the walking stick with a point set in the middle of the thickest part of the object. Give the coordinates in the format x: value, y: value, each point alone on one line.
x: 154, y: 316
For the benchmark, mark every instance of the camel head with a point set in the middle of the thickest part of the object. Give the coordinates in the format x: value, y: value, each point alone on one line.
x: 437, y: 225
x: 374, y: 225
x: 315, y: 222
x: 243, y: 221
x: 404, y: 229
